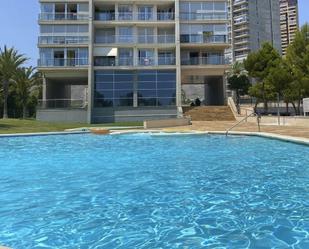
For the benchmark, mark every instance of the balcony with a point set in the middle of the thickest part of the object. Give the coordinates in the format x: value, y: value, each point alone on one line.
x: 74, y: 62
x: 140, y: 39
x: 62, y: 16
x: 209, y: 60
x: 203, y: 16
x: 134, y: 16
x: 63, y: 40
x: 200, y: 39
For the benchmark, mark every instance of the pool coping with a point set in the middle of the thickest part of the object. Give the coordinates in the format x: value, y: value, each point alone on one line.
x: 285, y: 138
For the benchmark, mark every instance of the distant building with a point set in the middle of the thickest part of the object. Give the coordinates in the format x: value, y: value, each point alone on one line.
x: 254, y: 22
x: 288, y: 22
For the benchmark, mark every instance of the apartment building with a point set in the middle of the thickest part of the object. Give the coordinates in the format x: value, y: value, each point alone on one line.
x: 106, y: 61
x: 254, y: 22
x: 288, y: 22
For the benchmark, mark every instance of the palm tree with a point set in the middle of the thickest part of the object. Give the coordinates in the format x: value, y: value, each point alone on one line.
x: 238, y: 81
x: 10, y: 60
x: 27, y: 84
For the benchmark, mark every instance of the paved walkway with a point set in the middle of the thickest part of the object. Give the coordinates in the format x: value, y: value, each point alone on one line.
x: 293, y: 131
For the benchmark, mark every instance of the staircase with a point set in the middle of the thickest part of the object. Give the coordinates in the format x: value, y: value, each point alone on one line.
x: 209, y: 113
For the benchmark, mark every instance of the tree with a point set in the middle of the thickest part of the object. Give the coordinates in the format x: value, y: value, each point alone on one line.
x: 238, y: 81
x: 281, y: 78
x: 10, y: 60
x: 27, y: 84
x: 259, y: 64
x: 262, y: 92
x: 298, y: 60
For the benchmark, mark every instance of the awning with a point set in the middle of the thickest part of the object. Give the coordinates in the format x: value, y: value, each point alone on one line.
x: 110, y: 52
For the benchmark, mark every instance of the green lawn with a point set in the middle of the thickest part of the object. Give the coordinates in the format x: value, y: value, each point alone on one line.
x: 8, y: 126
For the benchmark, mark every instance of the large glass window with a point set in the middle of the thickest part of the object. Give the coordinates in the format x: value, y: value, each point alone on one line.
x: 145, y: 35
x: 146, y: 57
x: 125, y: 34
x: 125, y: 12
x: 156, y: 87
x: 203, y: 10
x: 114, y: 88
x: 145, y: 13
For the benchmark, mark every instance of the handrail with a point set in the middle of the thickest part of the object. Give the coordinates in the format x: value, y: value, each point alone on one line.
x: 244, y: 119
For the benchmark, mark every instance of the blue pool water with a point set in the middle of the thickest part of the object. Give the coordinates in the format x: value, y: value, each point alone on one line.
x: 143, y: 191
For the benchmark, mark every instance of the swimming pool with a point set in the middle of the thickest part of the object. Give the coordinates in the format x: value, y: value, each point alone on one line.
x: 143, y: 191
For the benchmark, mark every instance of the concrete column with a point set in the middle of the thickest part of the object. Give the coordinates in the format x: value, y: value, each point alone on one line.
x: 135, y: 89
x: 178, y: 58
x: 90, y: 61
x: 44, y: 92
x: 224, y: 78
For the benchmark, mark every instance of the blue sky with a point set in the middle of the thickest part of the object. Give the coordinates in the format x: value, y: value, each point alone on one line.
x: 18, y: 25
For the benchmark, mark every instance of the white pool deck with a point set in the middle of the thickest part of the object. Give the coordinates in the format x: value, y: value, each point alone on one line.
x: 162, y: 132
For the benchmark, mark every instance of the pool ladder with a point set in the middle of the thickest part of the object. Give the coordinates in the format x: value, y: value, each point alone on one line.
x: 253, y: 114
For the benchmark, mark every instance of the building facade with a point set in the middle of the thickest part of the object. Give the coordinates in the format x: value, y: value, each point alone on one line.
x: 288, y: 22
x: 254, y: 22
x: 106, y: 61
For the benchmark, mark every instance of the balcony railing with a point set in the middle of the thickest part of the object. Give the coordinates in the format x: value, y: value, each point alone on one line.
x: 134, y: 16
x: 74, y: 62
x: 141, y: 39
x: 203, y: 16
x: 62, y: 103
x: 62, y: 16
x: 203, y: 38
x: 142, y: 61
x: 66, y: 40
x: 111, y: 62
x: 210, y: 60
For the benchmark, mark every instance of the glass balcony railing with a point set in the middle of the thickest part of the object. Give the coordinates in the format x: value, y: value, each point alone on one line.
x: 111, y: 62
x: 209, y: 60
x: 141, y: 39
x: 134, y: 16
x: 62, y: 16
x: 74, y: 62
x: 203, y: 16
x: 203, y: 38
x: 62, y: 104
x: 59, y: 40
x: 128, y: 61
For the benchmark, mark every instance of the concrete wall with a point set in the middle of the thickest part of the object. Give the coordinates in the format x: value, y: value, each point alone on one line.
x: 108, y: 115
x: 62, y: 115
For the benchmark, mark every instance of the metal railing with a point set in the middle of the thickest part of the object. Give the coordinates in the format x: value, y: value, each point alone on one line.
x: 62, y: 16
x: 143, y: 61
x: 130, y: 39
x: 136, y: 16
x: 203, y: 38
x: 62, y: 103
x: 211, y: 60
x: 258, y: 117
x: 59, y: 40
x: 203, y: 16
x: 74, y: 62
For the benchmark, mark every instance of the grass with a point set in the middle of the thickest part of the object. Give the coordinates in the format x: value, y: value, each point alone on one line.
x: 11, y: 126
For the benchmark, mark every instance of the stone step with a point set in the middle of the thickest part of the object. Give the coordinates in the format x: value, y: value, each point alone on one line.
x: 209, y: 113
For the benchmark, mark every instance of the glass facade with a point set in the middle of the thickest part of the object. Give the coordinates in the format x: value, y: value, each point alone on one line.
x: 115, y: 88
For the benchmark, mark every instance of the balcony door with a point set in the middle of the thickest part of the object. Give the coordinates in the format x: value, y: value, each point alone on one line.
x: 145, y: 13
x: 59, y: 58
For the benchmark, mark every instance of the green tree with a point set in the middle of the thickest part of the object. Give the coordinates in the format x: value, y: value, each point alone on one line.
x: 27, y: 86
x: 262, y: 92
x: 259, y: 64
x: 298, y: 60
x: 238, y: 81
x: 10, y: 60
